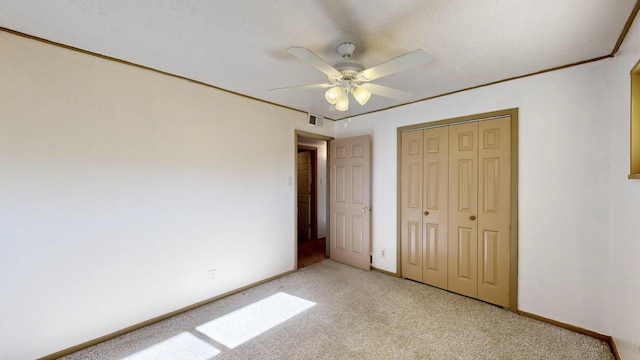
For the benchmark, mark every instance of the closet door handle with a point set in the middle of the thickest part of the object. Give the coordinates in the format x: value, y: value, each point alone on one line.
x: 426, y: 213
x: 472, y: 217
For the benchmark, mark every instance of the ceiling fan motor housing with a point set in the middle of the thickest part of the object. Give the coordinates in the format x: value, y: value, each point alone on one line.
x: 349, y: 68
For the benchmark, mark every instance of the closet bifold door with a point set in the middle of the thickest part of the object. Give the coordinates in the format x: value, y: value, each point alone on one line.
x: 494, y: 206
x: 435, y: 206
x: 424, y: 205
x: 463, y: 209
x: 456, y: 208
x: 411, y: 205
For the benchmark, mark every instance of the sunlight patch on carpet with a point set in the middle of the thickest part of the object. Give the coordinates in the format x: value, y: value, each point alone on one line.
x: 184, y: 346
x: 252, y: 320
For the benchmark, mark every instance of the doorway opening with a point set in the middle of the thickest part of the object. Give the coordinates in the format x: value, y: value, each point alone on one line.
x: 311, y: 198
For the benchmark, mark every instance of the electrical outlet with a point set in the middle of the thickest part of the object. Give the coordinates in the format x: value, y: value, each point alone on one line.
x: 212, y: 274
x: 382, y: 253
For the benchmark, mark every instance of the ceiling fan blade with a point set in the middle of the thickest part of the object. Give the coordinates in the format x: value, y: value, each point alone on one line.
x: 313, y: 59
x: 388, y: 92
x: 404, y: 62
x: 304, y: 87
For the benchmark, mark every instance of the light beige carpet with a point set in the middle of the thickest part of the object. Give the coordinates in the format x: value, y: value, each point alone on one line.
x: 357, y: 315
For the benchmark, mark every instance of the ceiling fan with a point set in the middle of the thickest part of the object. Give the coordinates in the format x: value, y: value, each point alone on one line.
x: 349, y: 76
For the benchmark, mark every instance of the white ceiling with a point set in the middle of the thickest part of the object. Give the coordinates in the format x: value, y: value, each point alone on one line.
x: 241, y: 45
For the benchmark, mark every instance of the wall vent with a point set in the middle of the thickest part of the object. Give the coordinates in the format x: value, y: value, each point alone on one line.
x: 315, y: 120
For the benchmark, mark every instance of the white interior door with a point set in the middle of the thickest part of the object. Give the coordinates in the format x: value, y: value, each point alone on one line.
x: 350, y: 201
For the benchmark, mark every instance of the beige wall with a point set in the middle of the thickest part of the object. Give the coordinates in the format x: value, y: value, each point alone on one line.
x: 623, y: 286
x: 120, y: 188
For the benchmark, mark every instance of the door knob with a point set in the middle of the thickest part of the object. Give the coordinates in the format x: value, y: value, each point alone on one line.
x: 365, y: 209
x: 426, y: 213
x: 472, y: 217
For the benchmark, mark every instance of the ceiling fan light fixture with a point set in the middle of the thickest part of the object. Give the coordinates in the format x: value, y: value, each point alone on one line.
x: 333, y: 95
x: 346, y: 75
x: 361, y: 95
x: 343, y: 103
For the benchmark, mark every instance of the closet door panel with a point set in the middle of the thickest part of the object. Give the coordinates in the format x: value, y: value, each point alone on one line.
x: 435, y: 206
x: 463, y: 209
x: 494, y: 199
x: 411, y: 205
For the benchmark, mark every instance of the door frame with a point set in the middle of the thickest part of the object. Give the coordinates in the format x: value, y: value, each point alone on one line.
x: 308, y: 135
x: 513, y: 113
